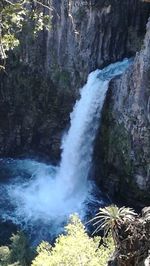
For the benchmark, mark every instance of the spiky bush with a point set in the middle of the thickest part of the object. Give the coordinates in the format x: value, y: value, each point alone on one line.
x: 111, y: 218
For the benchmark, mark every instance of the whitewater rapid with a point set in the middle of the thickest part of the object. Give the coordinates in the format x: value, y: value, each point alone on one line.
x: 39, y: 193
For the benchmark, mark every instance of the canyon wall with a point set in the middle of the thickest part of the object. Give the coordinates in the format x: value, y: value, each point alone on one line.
x: 90, y: 34
x: 125, y: 134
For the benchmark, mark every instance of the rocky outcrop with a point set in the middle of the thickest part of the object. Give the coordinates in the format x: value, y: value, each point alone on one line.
x: 126, y: 132
x: 40, y: 85
x: 134, y: 242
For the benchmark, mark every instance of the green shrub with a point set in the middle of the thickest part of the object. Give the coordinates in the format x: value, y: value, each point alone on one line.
x: 74, y: 248
x: 18, y: 253
x: 4, y: 255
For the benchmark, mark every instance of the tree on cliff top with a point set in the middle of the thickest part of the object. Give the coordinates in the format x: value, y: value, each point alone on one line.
x: 17, y: 14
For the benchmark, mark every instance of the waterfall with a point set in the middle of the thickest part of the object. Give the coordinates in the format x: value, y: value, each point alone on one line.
x: 52, y: 193
x: 77, y: 152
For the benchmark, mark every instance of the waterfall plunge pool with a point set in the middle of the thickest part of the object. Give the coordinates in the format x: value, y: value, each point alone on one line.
x: 31, y: 200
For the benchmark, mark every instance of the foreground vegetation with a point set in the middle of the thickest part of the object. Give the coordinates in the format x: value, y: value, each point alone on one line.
x: 72, y: 248
x: 18, y: 253
x: 124, y: 232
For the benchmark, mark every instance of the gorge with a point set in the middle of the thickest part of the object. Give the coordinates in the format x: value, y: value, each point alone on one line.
x: 110, y: 123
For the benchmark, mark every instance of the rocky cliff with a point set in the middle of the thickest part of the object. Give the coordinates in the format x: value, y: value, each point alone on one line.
x: 126, y: 131
x: 42, y: 76
x: 89, y: 34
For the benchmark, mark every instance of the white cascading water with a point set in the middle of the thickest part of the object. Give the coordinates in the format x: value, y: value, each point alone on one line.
x: 52, y: 193
x: 78, y: 145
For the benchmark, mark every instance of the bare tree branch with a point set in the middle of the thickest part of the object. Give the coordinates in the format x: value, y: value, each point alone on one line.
x: 9, y: 2
x: 38, y: 2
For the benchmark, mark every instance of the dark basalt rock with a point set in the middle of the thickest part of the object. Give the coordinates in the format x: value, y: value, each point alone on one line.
x: 125, y: 134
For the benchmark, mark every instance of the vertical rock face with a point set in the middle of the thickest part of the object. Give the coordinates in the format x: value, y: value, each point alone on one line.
x: 126, y: 131
x: 90, y: 34
x: 39, y: 89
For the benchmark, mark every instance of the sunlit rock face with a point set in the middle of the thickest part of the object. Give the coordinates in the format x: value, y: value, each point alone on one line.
x: 126, y: 132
